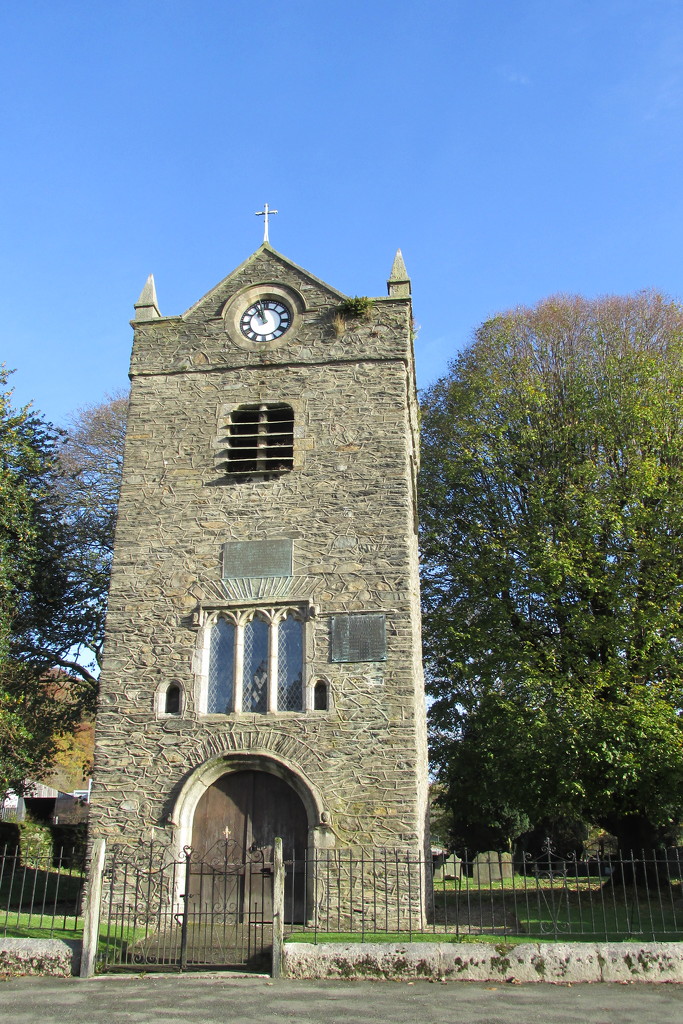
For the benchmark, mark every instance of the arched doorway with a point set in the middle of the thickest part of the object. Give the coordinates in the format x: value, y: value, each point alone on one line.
x: 235, y: 824
x: 255, y: 807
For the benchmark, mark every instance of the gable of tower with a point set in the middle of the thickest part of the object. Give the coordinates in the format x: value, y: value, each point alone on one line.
x: 207, y: 335
x: 266, y: 264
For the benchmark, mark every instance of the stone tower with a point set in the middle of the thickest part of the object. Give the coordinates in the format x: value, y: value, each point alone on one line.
x: 263, y: 666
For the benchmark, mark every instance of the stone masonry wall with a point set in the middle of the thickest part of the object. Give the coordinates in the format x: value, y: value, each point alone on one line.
x: 348, y: 507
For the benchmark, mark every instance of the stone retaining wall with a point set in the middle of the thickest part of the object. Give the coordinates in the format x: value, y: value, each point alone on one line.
x: 39, y: 956
x: 468, y: 961
x: 556, y: 963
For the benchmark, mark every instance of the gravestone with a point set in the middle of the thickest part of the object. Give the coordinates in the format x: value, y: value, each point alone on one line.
x: 491, y: 867
x: 450, y: 869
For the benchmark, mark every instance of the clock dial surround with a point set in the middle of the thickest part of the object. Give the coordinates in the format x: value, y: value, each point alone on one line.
x: 263, y: 316
x: 265, y: 320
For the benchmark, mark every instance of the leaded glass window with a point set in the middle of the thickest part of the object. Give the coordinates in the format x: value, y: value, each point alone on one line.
x: 290, y: 664
x: 221, y: 667
x: 255, y: 677
x: 256, y: 661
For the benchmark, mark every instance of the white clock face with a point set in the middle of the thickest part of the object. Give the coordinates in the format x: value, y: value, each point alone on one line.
x: 265, y: 320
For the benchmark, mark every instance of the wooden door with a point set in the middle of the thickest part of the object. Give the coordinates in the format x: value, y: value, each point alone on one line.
x: 254, y: 807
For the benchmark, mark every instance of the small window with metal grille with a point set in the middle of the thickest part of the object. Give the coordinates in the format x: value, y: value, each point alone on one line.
x: 261, y: 439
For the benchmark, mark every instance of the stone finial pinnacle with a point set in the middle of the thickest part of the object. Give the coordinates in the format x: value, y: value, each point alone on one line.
x: 398, y: 268
x: 147, y: 308
x: 398, y: 284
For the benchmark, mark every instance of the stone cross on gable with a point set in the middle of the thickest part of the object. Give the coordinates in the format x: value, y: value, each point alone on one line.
x: 265, y: 213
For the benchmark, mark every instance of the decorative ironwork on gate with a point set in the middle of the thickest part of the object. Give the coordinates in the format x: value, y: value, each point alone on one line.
x: 213, y: 910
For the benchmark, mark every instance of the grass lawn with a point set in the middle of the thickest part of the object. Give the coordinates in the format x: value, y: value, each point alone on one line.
x: 523, y: 909
x: 564, y: 909
x: 23, y: 887
x: 520, y: 909
x: 29, y: 926
x: 398, y: 938
x: 39, y: 903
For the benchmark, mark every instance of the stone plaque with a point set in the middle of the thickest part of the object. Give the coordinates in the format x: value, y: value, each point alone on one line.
x: 257, y: 559
x: 358, y: 637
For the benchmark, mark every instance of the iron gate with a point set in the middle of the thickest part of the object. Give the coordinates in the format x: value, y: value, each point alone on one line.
x: 187, y: 914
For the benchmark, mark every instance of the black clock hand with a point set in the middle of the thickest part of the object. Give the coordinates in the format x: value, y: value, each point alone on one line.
x: 261, y: 312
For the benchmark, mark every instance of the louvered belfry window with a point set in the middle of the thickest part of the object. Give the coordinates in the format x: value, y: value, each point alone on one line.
x: 261, y: 439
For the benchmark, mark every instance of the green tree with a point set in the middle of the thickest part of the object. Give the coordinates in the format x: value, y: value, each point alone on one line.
x: 32, y: 532
x: 38, y: 711
x: 58, y: 498
x: 26, y: 451
x: 552, y: 546
x: 76, y: 546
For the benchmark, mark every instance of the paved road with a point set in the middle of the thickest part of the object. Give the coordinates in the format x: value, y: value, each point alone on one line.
x: 204, y: 999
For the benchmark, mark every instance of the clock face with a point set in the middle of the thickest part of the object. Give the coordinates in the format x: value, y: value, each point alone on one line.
x: 265, y: 320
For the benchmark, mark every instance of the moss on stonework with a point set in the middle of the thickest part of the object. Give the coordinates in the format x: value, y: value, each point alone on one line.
x: 359, y: 307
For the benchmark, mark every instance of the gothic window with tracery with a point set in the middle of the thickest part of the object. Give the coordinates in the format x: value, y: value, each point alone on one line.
x: 221, y: 666
x: 290, y: 696
x: 255, y: 661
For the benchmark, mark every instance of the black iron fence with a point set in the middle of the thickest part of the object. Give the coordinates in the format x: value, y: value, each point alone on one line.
x: 41, y: 890
x: 358, y: 896
x: 194, y: 912
x: 226, y: 909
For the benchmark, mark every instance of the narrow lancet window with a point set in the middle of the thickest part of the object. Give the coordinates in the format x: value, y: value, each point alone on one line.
x: 320, y: 696
x: 255, y: 678
x: 221, y: 668
x: 290, y: 664
x: 172, y: 700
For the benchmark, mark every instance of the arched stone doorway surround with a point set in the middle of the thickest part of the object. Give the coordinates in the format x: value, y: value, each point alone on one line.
x: 320, y: 835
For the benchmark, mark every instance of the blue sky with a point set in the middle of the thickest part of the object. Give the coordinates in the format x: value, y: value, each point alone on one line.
x: 512, y: 148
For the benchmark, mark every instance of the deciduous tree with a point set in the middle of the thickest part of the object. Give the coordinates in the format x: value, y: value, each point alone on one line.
x: 27, y: 453
x: 32, y: 533
x: 58, y: 498
x: 85, y: 489
x: 552, y: 545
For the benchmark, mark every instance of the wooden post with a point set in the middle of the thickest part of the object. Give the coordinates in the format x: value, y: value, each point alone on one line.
x: 278, y: 907
x: 91, y: 917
